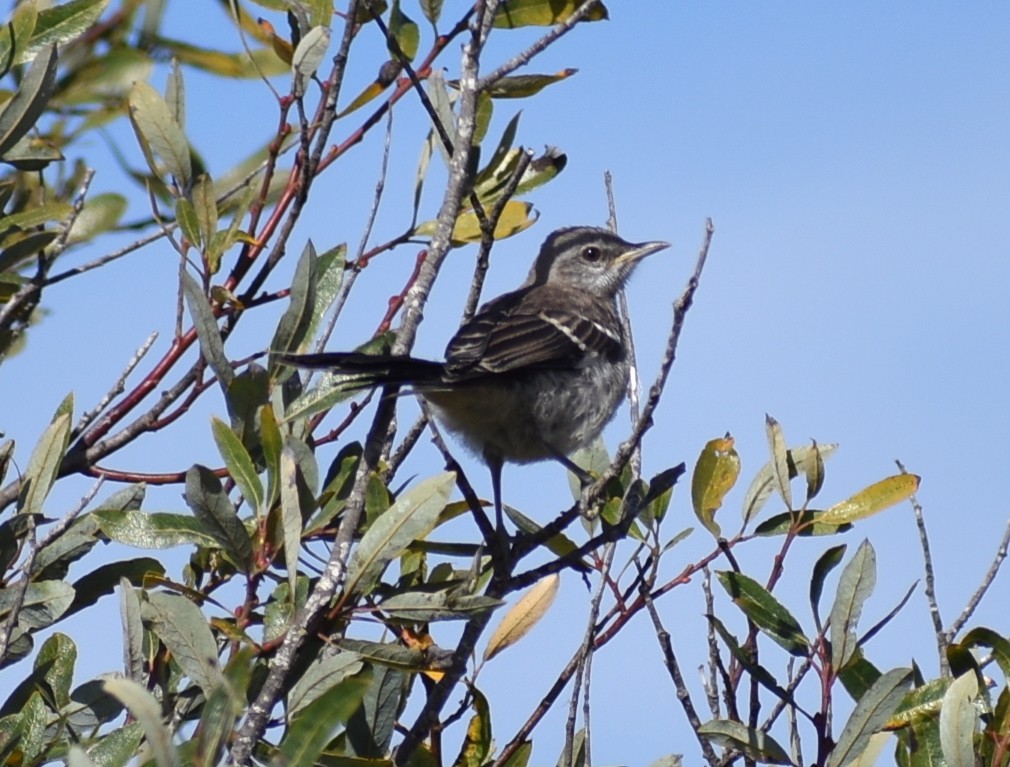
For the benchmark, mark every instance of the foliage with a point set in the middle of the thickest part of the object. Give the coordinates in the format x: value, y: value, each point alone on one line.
x: 316, y: 664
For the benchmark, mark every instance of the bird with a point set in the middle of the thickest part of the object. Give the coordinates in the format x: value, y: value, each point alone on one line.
x: 536, y: 373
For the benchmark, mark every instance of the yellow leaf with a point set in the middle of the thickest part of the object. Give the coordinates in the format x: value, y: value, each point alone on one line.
x: 714, y: 475
x: 514, y: 218
x: 872, y: 499
x: 526, y: 613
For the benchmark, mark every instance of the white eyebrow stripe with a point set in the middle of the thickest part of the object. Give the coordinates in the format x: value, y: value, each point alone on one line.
x: 567, y: 331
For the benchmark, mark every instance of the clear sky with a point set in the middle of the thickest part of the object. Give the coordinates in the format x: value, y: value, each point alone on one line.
x: 855, y: 159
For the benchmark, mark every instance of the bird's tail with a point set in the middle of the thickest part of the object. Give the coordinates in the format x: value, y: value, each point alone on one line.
x: 367, y: 370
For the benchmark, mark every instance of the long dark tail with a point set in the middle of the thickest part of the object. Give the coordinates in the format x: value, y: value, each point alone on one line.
x: 369, y: 369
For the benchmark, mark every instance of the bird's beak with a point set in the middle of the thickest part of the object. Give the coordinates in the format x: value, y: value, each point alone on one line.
x: 640, y: 251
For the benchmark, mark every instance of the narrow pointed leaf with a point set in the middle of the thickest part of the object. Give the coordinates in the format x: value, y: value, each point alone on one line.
x: 291, y: 514
x: 760, y: 673
x: 445, y: 605
x: 523, y: 86
x: 240, y: 465
x: 404, y: 31
x: 477, y: 743
x: 44, y: 465
x: 207, y: 331
x: 526, y: 613
x: 313, y: 728
x: 411, y: 518
x: 871, y: 713
x: 29, y: 102
x: 763, y: 485
x: 855, y: 584
x: 297, y: 316
x: 813, y: 470
x: 779, y: 459
x: 211, y: 506
x: 827, y: 562
x: 757, y: 745
x: 767, y: 613
x: 875, y: 498
x: 157, y: 129
x: 143, y: 706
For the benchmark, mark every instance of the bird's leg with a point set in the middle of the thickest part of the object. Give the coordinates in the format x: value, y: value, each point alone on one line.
x: 494, y: 463
x: 586, y: 478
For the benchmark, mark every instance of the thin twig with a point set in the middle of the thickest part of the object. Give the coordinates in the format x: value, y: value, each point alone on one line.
x: 119, y: 386
x: 524, y: 58
x: 673, y: 667
x: 930, y: 588
x: 680, y: 309
x: 983, y: 587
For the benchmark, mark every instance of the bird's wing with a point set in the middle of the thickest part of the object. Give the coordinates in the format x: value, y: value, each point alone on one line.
x: 513, y: 332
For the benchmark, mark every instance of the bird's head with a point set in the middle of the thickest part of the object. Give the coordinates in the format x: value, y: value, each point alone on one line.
x: 588, y: 258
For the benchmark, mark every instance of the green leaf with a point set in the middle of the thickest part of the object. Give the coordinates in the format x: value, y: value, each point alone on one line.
x: 60, y: 23
x: 813, y: 470
x: 44, y: 603
x: 100, y: 213
x: 827, y: 562
x: 854, y: 585
x: 23, y: 110
x: 160, y: 134
x: 543, y: 13
x: 54, y: 666
x: 714, y: 475
x: 43, y: 465
x: 873, y: 499
x: 871, y: 713
x: 370, y: 728
x: 324, y: 673
x: 118, y: 747
x: 444, y: 605
x: 308, y: 56
x: 104, y: 579
x: 207, y: 331
x: 312, y: 729
x: 291, y: 513
x: 133, y: 630
x: 391, y: 655
x: 183, y: 629
x: 806, y: 523
x: 760, y: 673
x: 755, y: 744
x: 999, y: 645
x: 766, y: 612
x: 240, y: 465
x: 559, y: 544
x: 15, y: 37
x: 958, y: 720
x: 205, y: 212
x: 158, y: 530
x: 147, y: 711
x: 404, y: 31
x: 523, y: 86
x: 329, y: 277
x: 412, y: 517
x: 175, y: 94
x: 298, y: 316
x: 779, y: 460
x: 210, y: 505
x: 477, y: 744
x: 431, y: 9
x: 761, y: 487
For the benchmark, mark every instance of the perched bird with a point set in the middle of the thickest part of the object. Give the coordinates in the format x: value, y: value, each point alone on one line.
x: 536, y: 373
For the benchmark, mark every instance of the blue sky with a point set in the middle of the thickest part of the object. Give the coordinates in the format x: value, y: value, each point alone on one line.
x: 855, y: 161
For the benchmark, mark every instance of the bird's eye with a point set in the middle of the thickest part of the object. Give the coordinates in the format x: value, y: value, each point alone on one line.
x: 591, y: 254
